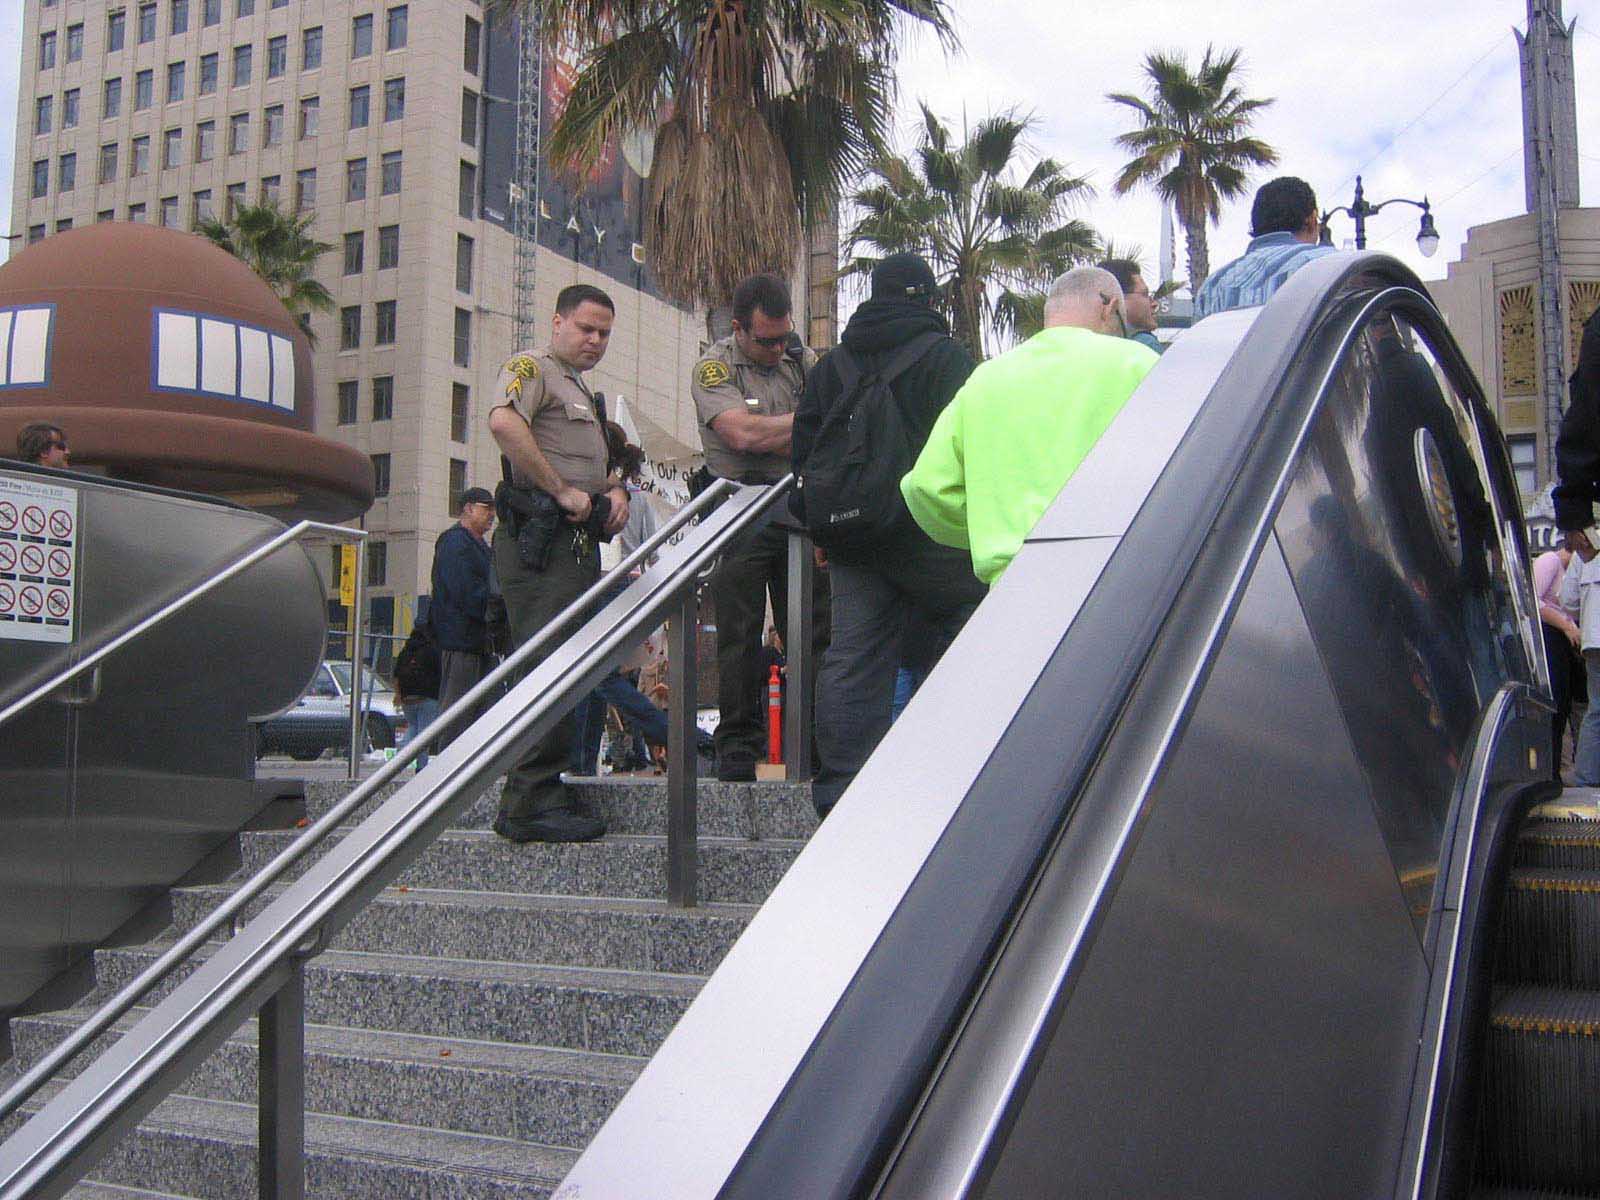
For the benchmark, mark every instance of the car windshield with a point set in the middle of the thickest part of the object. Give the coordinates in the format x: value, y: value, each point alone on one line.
x: 341, y: 672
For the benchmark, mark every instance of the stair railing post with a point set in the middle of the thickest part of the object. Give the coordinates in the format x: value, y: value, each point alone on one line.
x: 282, y: 1099
x: 357, y: 733
x: 682, y: 816
x: 799, y: 653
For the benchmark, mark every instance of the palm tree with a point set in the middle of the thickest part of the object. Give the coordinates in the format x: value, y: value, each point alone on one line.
x: 994, y: 231
x: 278, y: 247
x: 1193, y: 147
x: 762, y: 114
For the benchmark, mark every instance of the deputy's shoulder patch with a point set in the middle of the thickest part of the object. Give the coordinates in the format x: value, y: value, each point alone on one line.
x: 523, y: 368
x: 712, y: 373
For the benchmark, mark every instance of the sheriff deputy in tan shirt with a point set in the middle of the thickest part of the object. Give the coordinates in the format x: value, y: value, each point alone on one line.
x: 548, y: 428
x: 745, y: 390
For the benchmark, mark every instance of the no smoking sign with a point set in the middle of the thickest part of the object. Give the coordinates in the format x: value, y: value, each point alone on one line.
x: 58, y: 602
x: 32, y: 560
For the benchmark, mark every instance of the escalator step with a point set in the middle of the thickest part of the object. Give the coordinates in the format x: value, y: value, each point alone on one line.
x: 1542, y: 1091
x: 1550, y: 933
x: 1569, y: 843
x: 1521, y: 1194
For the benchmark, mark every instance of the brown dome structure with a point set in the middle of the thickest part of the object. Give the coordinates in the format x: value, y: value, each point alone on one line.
x: 169, y: 361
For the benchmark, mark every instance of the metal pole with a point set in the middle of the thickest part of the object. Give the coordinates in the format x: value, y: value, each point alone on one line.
x: 281, y: 1148
x: 1358, y: 210
x: 359, y: 603
x: 798, y: 650
x: 682, y: 768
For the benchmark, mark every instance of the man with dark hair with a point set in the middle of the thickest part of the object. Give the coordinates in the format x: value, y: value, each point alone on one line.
x: 557, y: 494
x: 1284, y: 228
x: 458, y: 606
x: 745, y: 390
x: 44, y: 444
x: 1138, y: 306
x: 900, y: 581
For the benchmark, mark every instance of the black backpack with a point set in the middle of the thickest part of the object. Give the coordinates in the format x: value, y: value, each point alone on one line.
x: 417, y: 666
x: 850, y: 483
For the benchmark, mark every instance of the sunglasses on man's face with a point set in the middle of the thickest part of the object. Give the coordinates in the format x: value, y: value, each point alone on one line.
x: 768, y: 343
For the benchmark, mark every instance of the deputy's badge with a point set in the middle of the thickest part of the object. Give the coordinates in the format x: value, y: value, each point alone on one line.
x: 522, y: 368
x: 712, y: 373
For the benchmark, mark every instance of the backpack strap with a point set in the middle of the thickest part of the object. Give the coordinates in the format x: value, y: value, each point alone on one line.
x: 909, y: 354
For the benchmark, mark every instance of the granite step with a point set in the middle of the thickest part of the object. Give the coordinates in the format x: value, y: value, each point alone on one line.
x: 583, y: 931
x: 731, y: 871
x: 112, y: 1191
x: 199, y: 1147
x: 529, y: 1093
x: 578, y: 1008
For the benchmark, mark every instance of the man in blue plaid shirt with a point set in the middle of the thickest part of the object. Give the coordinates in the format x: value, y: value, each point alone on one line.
x: 1284, y: 229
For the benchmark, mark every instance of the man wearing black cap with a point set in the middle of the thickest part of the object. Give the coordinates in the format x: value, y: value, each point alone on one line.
x: 460, y: 597
x: 903, y: 581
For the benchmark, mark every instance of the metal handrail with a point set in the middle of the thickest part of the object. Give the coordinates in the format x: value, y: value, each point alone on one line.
x: 137, y: 988
x: 262, y: 967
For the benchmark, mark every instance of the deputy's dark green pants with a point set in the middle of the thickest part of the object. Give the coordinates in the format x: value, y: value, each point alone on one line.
x: 533, y: 599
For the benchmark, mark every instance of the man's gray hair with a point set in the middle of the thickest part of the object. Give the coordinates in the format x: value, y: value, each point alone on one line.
x: 1082, y: 284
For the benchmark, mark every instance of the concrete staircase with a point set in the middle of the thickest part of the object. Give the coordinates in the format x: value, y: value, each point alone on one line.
x: 470, y: 1031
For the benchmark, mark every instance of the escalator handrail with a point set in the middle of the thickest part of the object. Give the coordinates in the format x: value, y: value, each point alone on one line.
x: 60, y: 1143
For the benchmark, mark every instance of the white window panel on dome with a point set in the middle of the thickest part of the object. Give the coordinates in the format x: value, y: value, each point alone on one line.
x: 218, y: 357
x: 25, y: 344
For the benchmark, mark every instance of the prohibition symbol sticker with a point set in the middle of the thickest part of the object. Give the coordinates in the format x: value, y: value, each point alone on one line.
x: 33, y: 519
x: 8, y: 557
x: 30, y: 600
x: 60, y: 524
x: 8, y: 597
x: 8, y: 515
x: 58, y: 602
x: 32, y: 560
x: 60, y: 563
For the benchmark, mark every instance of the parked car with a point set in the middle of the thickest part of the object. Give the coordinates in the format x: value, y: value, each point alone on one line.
x: 320, y: 719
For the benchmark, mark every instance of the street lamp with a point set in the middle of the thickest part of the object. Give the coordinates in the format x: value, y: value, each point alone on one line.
x: 1360, y: 209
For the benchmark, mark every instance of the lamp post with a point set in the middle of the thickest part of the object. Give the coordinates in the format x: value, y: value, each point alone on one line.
x: 1361, y: 208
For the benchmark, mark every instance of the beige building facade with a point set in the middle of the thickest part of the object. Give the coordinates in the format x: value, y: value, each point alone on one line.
x: 365, y: 115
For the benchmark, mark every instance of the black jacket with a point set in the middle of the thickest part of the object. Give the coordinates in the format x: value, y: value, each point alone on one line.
x: 1578, y: 444
x: 876, y: 330
x: 460, y: 590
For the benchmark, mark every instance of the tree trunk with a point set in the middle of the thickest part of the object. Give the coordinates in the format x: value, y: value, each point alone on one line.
x: 966, y: 317
x: 821, y: 329
x: 1194, y: 233
x: 719, y: 322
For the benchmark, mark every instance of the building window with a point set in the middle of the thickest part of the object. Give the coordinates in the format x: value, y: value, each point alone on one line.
x: 44, y: 110
x: 238, y: 133
x: 348, y: 397
x: 108, y: 162
x: 104, y: 215
x: 310, y: 114
x: 395, y: 29
x: 383, y: 322
x: 462, y: 351
x: 472, y: 46
x: 463, y: 263
x: 458, y: 483
x: 64, y: 224
x: 41, y: 178
x: 136, y: 213
x: 208, y: 74
x: 382, y: 397
x: 69, y: 108
x: 66, y: 172
x: 277, y: 56
x: 378, y: 553
x: 1524, y: 463
x: 171, y: 149
x: 47, y: 54
x: 36, y: 233
x: 388, y: 247
x: 389, y: 179
x: 178, y: 17
x: 394, y: 99
x: 234, y: 199
x: 242, y: 62
x: 144, y: 90
x: 361, y: 36
x: 111, y: 99
x: 360, y: 106
x: 469, y: 117
x: 139, y: 156
x: 175, y: 81
x: 75, y: 43
x: 201, y: 210
x: 380, y: 484
x: 205, y: 141
x: 350, y: 327
x: 311, y: 48
x: 147, y: 23
x: 169, y: 211
x: 354, y: 253
x: 305, y: 189
x: 244, y: 8
x: 459, y: 395
x: 467, y: 191
x: 210, y: 12
x: 116, y: 31
x: 355, y: 179
x: 271, y: 189
x: 272, y: 127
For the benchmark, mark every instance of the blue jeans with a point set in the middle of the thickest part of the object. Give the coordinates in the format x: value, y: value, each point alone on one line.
x: 1587, y: 759
x: 419, y: 715
x: 589, y: 720
x: 906, y: 683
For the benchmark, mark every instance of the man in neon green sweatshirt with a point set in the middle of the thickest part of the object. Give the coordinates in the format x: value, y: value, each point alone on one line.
x: 1015, y: 433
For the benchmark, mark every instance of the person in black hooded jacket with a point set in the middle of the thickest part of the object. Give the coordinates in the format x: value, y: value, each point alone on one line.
x: 1578, y: 444
x: 877, y: 592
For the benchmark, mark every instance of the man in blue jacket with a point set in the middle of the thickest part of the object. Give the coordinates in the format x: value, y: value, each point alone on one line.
x: 460, y: 597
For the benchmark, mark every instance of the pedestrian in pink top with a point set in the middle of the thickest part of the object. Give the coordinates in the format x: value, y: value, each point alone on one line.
x: 1562, y: 639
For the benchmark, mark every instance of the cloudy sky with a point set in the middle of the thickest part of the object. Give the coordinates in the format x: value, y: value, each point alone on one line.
x: 1420, y: 98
